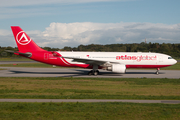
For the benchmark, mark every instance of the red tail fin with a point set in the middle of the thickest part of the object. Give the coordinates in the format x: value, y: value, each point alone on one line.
x: 23, y: 41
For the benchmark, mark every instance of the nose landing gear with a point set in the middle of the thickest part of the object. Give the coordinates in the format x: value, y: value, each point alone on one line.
x: 157, y: 72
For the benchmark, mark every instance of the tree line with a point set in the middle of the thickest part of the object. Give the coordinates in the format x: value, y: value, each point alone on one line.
x: 166, y: 48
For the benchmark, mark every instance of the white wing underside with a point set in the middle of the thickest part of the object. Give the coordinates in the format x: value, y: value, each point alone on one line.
x: 91, y: 61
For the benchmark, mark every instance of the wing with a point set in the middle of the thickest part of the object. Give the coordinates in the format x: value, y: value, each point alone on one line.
x: 92, y: 61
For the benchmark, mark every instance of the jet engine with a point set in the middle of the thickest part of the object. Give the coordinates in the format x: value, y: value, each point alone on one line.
x: 118, y: 68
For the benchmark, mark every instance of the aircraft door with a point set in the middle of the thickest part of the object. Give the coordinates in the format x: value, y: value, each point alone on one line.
x: 46, y: 56
x: 160, y: 58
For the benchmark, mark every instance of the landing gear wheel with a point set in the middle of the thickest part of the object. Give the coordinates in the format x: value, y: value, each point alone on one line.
x: 90, y: 72
x: 157, y: 72
x: 93, y: 72
x: 96, y: 72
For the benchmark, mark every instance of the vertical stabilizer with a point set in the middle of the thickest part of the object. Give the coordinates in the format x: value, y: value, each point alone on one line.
x: 23, y: 41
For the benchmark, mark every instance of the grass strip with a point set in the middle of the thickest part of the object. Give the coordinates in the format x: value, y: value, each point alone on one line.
x: 90, y: 111
x: 2, y: 69
x: 34, y: 65
x: 15, y: 59
x: 90, y: 88
x: 174, y: 67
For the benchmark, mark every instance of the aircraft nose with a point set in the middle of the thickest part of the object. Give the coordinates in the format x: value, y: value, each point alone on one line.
x: 174, y: 61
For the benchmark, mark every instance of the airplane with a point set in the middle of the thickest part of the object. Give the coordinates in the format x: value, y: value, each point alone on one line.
x: 116, y: 62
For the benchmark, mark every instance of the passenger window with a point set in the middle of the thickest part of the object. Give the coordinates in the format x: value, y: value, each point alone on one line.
x: 170, y: 58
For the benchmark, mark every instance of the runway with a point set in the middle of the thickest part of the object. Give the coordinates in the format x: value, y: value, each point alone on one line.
x: 79, y: 72
x: 91, y: 100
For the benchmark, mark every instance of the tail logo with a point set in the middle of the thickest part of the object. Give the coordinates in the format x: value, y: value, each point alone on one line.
x: 22, y: 38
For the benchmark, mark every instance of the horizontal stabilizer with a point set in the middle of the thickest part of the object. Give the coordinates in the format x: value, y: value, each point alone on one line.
x: 27, y: 54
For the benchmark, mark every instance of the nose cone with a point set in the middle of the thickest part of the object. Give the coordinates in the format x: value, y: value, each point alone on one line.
x: 174, y: 61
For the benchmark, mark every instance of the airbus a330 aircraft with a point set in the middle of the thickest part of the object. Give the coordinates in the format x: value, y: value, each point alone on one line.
x: 113, y: 61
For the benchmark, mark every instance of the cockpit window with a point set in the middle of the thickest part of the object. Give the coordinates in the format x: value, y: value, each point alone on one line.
x: 170, y: 58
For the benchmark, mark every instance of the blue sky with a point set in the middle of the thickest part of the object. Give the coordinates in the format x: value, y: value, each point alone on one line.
x: 59, y: 23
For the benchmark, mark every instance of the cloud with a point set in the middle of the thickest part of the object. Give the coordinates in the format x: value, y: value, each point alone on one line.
x: 74, y: 34
x: 4, y: 32
x: 6, y: 38
x: 10, y: 3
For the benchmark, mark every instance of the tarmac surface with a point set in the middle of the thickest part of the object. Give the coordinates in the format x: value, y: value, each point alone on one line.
x: 78, y: 72
x: 91, y: 100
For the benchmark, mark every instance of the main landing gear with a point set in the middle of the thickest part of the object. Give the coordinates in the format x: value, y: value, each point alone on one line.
x: 157, y: 72
x: 95, y: 70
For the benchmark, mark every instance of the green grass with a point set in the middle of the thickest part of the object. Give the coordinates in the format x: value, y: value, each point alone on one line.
x: 174, y: 67
x: 89, y: 111
x: 14, y: 59
x: 2, y: 69
x: 90, y: 88
x: 37, y: 65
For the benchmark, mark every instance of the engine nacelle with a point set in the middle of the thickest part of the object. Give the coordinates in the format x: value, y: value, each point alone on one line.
x: 118, y: 68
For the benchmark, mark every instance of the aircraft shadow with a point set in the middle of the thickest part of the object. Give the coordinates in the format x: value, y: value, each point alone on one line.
x: 144, y: 73
x: 66, y: 74
x: 56, y: 74
x: 27, y: 72
x: 77, y: 73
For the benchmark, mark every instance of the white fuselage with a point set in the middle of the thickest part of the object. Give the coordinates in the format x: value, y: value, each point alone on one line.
x: 127, y: 58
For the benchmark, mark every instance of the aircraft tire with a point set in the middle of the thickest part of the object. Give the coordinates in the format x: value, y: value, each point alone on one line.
x: 95, y: 73
x: 90, y: 73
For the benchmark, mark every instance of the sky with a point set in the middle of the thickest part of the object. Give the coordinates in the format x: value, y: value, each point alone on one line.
x: 60, y: 23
